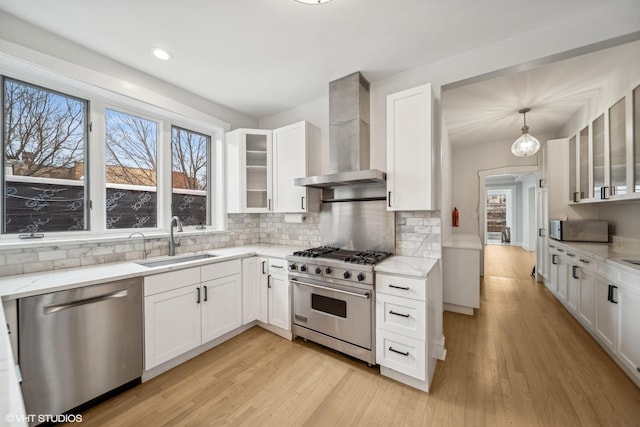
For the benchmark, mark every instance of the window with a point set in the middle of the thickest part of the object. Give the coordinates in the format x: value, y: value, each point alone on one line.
x: 131, y: 171
x: 45, y: 151
x: 190, y: 159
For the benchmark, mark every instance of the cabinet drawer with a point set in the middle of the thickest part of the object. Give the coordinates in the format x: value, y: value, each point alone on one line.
x: 401, y: 315
x: 400, y: 353
x: 401, y: 286
x: 172, y: 280
x: 220, y: 269
x: 277, y: 266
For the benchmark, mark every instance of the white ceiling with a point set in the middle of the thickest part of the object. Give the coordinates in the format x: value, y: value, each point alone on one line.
x: 261, y: 57
x: 487, y: 111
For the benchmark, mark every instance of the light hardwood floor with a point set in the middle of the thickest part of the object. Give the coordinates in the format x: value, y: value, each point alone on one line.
x: 522, y: 360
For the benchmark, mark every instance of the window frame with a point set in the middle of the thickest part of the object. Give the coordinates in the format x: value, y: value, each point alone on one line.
x: 98, y: 100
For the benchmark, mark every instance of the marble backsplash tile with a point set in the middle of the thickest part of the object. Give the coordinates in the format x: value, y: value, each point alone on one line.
x: 417, y: 234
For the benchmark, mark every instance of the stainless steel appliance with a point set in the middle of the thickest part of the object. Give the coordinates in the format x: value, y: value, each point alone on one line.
x: 334, y: 298
x: 78, y: 344
x: 579, y: 230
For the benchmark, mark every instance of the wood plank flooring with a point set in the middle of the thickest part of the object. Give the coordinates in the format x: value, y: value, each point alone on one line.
x: 522, y: 360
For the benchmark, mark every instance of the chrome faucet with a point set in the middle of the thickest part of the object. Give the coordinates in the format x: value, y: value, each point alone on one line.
x: 172, y: 242
x: 144, y: 243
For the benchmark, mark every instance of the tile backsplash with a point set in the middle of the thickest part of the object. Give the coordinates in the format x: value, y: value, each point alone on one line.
x: 417, y: 234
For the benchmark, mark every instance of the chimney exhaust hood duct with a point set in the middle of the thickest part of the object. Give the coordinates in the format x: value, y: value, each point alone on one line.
x: 349, y: 150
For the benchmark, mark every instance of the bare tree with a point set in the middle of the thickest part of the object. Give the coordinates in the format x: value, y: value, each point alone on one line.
x: 131, y: 145
x: 44, y: 131
x: 189, y: 158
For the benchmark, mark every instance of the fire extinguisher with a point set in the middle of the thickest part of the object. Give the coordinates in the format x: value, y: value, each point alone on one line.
x: 455, y: 218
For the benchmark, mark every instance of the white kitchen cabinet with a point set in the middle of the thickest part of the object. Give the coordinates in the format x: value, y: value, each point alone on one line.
x: 254, y: 290
x: 296, y: 154
x: 182, y: 311
x: 629, y: 335
x: 279, y: 294
x: 606, y: 312
x: 405, y: 327
x: 248, y: 163
x: 587, y: 307
x: 221, y: 306
x: 573, y: 282
x: 172, y: 324
x: 554, y: 259
x: 411, y: 154
x: 562, y: 268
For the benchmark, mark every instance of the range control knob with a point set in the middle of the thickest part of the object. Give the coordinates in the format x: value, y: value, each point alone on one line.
x: 346, y: 275
x: 360, y: 277
x: 328, y: 270
x: 292, y: 267
x: 318, y: 270
x: 303, y: 268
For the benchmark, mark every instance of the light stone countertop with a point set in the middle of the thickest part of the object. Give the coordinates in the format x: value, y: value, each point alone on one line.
x: 608, y: 253
x: 408, y: 266
x: 23, y: 285
x: 463, y: 241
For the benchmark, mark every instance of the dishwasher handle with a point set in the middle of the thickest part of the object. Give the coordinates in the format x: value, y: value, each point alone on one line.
x: 54, y: 308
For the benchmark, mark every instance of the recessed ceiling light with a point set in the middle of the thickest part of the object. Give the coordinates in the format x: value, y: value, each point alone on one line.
x: 313, y: 1
x: 161, y: 53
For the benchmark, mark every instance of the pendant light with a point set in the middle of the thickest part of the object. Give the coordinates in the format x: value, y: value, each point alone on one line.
x: 526, y: 145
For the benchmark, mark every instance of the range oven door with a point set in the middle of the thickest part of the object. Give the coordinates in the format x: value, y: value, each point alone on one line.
x: 341, y: 312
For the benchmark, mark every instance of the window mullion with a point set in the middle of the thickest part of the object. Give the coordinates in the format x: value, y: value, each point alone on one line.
x: 97, y: 186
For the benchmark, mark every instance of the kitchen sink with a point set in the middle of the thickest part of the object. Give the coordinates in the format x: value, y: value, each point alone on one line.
x: 175, y: 260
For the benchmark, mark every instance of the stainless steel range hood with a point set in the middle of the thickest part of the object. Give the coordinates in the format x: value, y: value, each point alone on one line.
x: 348, y: 137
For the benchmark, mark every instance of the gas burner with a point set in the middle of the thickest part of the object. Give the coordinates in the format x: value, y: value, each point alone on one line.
x: 367, y: 257
x: 316, y: 252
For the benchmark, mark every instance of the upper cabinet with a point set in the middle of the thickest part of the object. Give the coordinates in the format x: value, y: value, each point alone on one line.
x: 296, y: 153
x: 262, y: 164
x: 411, y: 170
x: 248, y: 160
x: 604, y: 156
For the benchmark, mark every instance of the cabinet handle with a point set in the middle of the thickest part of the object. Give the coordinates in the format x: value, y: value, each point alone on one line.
x: 398, y: 314
x: 571, y: 255
x: 269, y: 281
x: 302, y: 202
x: 540, y: 232
x: 264, y: 264
x: 609, y: 292
x: 198, y: 300
x: 389, y: 200
x: 560, y: 250
x: 584, y: 261
x: 553, y: 259
x: 268, y: 204
x: 603, y: 193
x: 277, y: 266
x: 574, y: 270
x: 404, y: 288
x: 613, y: 288
x: 540, y: 181
x: 575, y: 196
x: 552, y: 246
x: 404, y: 353
x: 205, y: 293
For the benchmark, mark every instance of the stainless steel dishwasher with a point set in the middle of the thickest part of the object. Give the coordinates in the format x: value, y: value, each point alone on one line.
x: 78, y: 344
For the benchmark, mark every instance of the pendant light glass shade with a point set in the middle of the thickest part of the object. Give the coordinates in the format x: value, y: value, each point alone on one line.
x: 526, y: 145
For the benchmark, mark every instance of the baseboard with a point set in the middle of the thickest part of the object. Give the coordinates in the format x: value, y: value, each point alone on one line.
x: 458, y: 308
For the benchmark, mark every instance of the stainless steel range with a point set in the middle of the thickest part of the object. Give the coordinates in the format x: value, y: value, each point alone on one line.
x: 334, y: 298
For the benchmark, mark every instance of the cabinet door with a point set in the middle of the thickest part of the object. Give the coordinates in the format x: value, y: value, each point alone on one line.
x: 562, y: 278
x: 600, y: 157
x: 574, y: 195
x: 587, y: 297
x: 255, y: 293
x: 606, y: 313
x: 171, y: 324
x: 221, y: 306
x: 617, y: 149
x: 279, y: 302
x: 289, y: 162
x: 554, y: 259
x: 410, y: 162
x: 573, y: 288
x: 583, y: 168
x: 629, y: 337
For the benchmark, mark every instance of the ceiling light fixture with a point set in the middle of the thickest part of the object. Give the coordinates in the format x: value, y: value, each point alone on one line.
x: 526, y: 145
x: 161, y: 53
x: 313, y: 1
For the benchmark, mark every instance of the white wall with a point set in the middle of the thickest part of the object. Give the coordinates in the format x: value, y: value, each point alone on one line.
x: 528, y: 212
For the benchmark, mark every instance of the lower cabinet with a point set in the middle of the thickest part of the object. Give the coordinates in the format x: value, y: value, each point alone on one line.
x: 266, y: 294
x: 183, y: 311
x: 606, y: 312
x: 573, y: 283
x: 587, y: 307
x: 404, y: 333
x: 629, y: 334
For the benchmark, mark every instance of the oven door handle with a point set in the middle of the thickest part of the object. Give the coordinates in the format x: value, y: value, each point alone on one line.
x: 366, y: 295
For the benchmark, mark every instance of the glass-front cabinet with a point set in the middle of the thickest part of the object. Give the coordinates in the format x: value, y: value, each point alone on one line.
x: 604, y: 156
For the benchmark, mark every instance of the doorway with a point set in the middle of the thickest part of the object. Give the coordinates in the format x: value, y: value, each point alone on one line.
x: 499, y: 215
